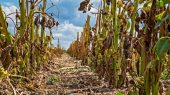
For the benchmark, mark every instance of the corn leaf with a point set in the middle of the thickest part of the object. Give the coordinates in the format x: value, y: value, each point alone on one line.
x: 160, y: 16
x: 162, y: 46
x: 166, y: 1
x: 120, y: 93
x: 4, y: 25
x: 159, y: 22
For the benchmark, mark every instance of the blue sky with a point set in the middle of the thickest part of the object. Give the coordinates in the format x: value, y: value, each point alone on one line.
x: 66, y: 11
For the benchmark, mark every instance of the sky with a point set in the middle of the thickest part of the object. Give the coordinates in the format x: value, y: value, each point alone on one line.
x: 66, y: 12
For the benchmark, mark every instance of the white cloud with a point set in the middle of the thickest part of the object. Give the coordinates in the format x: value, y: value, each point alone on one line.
x: 98, y: 1
x: 93, y: 10
x: 67, y: 32
x: 9, y: 9
x: 66, y: 26
x: 57, y: 35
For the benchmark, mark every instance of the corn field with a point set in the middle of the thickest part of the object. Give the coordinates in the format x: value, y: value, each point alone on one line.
x: 128, y: 47
x: 30, y: 47
x: 129, y: 44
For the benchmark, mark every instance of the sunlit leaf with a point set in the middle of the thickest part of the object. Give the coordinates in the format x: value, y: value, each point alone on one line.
x: 120, y: 93
x: 160, y: 16
x: 162, y: 46
x: 166, y: 1
x: 161, y: 21
x: 4, y: 25
x: 162, y: 3
x: 3, y: 73
x: 147, y: 6
x: 2, y: 36
x: 128, y: 25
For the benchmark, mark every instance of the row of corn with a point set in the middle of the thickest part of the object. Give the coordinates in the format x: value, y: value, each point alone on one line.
x: 30, y: 47
x: 129, y: 44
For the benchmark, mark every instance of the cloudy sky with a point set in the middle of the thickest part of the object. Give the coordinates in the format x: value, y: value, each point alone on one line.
x: 66, y: 12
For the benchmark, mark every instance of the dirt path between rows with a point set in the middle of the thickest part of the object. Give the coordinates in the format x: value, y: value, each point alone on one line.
x: 66, y: 76
x: 63, y: 76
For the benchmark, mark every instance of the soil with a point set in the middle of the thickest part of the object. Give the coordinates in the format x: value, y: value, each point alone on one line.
x: 62, y: 76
